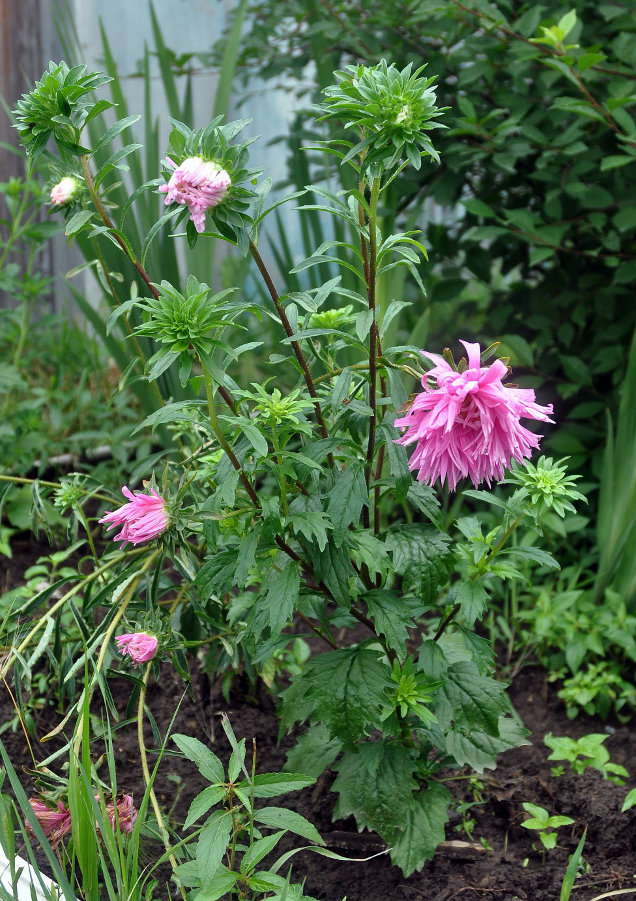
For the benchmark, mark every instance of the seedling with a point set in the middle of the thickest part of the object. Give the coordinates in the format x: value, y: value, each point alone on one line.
x: 585, y: 752
x: 541, y: 821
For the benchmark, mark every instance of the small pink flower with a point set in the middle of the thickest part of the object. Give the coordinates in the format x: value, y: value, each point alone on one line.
x: 140, y: 646
x: 64, y: 191
x: 55, y: 823
x: 144, y: 518
x: 198, y: 184
x: 124, y: 810
x: 469, y: 424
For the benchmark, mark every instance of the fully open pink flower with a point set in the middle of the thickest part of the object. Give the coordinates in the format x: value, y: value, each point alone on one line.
x: 124, y: 810
x: 144, y: 518
x: 55, y: 823
x: 198, y: 184
x: 139, y: 646
x: 469, y: 424
x: 64, y: 191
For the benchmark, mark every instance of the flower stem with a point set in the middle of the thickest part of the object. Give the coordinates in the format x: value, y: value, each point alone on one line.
x: 282, y: 315
x: 373, y: 339
x: 146, y: 773
x: 108, y: 222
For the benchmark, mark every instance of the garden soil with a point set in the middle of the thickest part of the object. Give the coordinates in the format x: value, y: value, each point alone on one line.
x: 508, y: 871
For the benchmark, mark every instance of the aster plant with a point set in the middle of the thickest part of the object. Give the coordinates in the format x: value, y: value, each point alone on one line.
x: 288, y: 506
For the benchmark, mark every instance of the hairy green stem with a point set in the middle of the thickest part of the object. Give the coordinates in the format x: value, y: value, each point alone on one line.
x: 282, y: 315
x: 373, y: 339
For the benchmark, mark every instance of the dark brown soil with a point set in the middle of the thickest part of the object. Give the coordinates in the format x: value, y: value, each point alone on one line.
x: 511, y: 870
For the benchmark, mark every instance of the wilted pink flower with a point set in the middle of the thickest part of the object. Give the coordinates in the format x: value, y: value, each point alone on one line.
x: 55, y: 823
x: 64, y: 191
x: 140, y: 646
x: 469, y: 424
x: 124, y: 810
x: 144, y: 518
x: 198, y: 184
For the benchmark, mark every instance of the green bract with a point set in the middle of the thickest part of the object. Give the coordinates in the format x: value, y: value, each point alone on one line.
x: 547, y: 484
x: 391, y: 111
x: 58, y: 107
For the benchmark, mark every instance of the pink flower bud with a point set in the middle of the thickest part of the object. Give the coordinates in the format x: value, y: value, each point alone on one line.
x: 469, y: 424
x: 124, y: 811
x: 144, y: 518
x: 64, y: 191
x: 139, y: 646
x: 198, y: 184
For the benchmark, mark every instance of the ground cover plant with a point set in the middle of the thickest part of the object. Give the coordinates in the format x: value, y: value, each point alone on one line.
x: 299, y: 502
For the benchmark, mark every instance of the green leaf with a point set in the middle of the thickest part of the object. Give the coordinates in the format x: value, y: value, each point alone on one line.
x: 218, y: 886
x: 391, y: 617
x: 268, y: 785
x: 281, y: 818
x: 202, y: 803
x: 349, y: 688
x: 213, y: 841
x: 369, y: 782
x: 423, y: 828
x: 277, y: 601
x: 216, y: 576
x: 479, y: 208
x: 473, y: 597
x: 259, y: 850
x: 77, y: 222
x: 313, y: 752
x: 333, y: 567
x: 573, y: 867
x: 313, y: 524
x: 630, y: 800
x: 421, y: 555
x: 346, y: 500
x: 114, y: 130
x: 205, y: 760
x: 255, y: 437
x: 468, y: 699
x: 476, y: 749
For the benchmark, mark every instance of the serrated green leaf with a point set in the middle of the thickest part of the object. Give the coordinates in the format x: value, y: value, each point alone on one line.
x: 313, y: 752
x: 423, y: 828
x: 276, y: 602
x: 368, y: 783
x: 216, y: 576
x: 479, y: 750
x: 202, y: 803
x: 205, y: 760
x: 282, y: 818
x: 421, y: 555
x: 213, y: 841
x: 391, y: 617
x: 349, y: 688
x: 473, y: 597
x: 470, y: 700
x: 313, y: 524
x: 346, y: 500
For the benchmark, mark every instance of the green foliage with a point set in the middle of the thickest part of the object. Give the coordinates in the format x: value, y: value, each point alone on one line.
x: 544, y: 824
x: 587, y: 751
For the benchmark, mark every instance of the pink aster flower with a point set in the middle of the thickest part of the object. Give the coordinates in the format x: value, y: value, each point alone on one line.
x: 124, y: 811
x: 55, y: 823
x: 64, y: 191
x: 469, y: 424
x: 198, y: 184
x: 144, y: 518
x: 139, y: 646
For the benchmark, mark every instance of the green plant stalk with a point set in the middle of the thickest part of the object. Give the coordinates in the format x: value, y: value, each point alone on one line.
x: 20, y: 480
x: 216, y: 428
x: 282, y: 315
x: 373, y: 339
x: 146, y: 773
x: 281, y: 474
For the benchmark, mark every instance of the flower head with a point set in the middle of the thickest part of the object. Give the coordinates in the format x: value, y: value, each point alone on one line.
x: 64, y: 191
x: 141, y: 647
x: 144, y: 518
x: 198, y: 184
x: 468, y: 425
x: 55, y: 822
x: 123, y: 810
